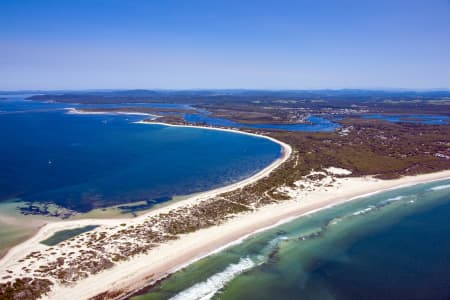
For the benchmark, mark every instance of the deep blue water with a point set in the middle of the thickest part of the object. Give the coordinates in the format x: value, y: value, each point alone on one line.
x: 393, y: 245
x: 317, y: 123
x: 83, y: 162
x: 408, y: 118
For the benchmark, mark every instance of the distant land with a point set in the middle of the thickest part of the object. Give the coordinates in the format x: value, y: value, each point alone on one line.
x: 337, y: 146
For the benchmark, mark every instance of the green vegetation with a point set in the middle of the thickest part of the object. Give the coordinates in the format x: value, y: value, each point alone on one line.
x: 365, y: 147
x: 24, y: 289
x: 280, y: 107
x: 372, y: 147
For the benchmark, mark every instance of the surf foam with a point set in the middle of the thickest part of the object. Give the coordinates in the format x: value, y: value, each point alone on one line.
x: 207, y: 289
x: 440, y: 187
x: 393, y: 199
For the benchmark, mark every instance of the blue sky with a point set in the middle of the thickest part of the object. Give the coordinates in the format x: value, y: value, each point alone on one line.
x: 303, y: 44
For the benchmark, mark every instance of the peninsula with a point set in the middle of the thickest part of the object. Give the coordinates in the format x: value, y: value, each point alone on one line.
x: 315, y: 171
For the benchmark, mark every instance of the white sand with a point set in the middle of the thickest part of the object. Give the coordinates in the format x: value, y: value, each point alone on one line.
x: 74, y: 111
x: 10, y: 260
x: 169, y: 257
x: 338, y: 171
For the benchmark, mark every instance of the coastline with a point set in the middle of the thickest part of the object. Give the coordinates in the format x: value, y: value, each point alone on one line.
x: 74, y: 111
x: 284, y: 146
x: 132, y: 275
x: 99, y: 215
x: 46, y: 230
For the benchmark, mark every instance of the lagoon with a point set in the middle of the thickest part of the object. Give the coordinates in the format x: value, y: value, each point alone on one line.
x: 410, y: 118
x: 316, y: 123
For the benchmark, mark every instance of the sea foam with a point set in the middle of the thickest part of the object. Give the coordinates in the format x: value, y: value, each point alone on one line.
x: 440, y: 187
x: 393, y: 199
x: 207, y: 289
x: 363, y: 211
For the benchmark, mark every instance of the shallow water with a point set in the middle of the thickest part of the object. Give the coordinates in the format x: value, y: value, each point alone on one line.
x: 392, y: 245
x: 64, y: 235
x: 15, y: 227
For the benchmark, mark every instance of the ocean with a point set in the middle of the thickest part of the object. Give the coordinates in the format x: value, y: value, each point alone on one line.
x: 83, y: 162
x: 392, y: 245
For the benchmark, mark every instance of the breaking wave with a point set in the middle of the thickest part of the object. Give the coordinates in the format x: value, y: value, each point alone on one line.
x: 207, y: 289
x: 393, y: 199
x: 440, y: 187
x: 363, y: 211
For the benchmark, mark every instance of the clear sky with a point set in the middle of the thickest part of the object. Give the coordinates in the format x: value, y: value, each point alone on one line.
x: 88, y: 44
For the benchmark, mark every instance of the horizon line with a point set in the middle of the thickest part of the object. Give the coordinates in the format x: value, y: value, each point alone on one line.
x: 225, y: 89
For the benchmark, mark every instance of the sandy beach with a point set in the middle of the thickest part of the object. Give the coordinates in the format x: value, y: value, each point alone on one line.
x: 143, y: 269
x: 74, y: 111
x: 10, y: 259
x: 170, y: 257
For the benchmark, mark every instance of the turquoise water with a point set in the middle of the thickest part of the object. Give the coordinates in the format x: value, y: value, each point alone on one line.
x: 82, y: 162
x: 392, y: 245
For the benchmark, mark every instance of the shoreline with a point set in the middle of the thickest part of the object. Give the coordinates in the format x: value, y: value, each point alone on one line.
x: 75, y: 111
x: 414, y: 180
x: 48, y: 229
x: 75, y: 221
x: 233, y: 130
x: 143, y: 271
